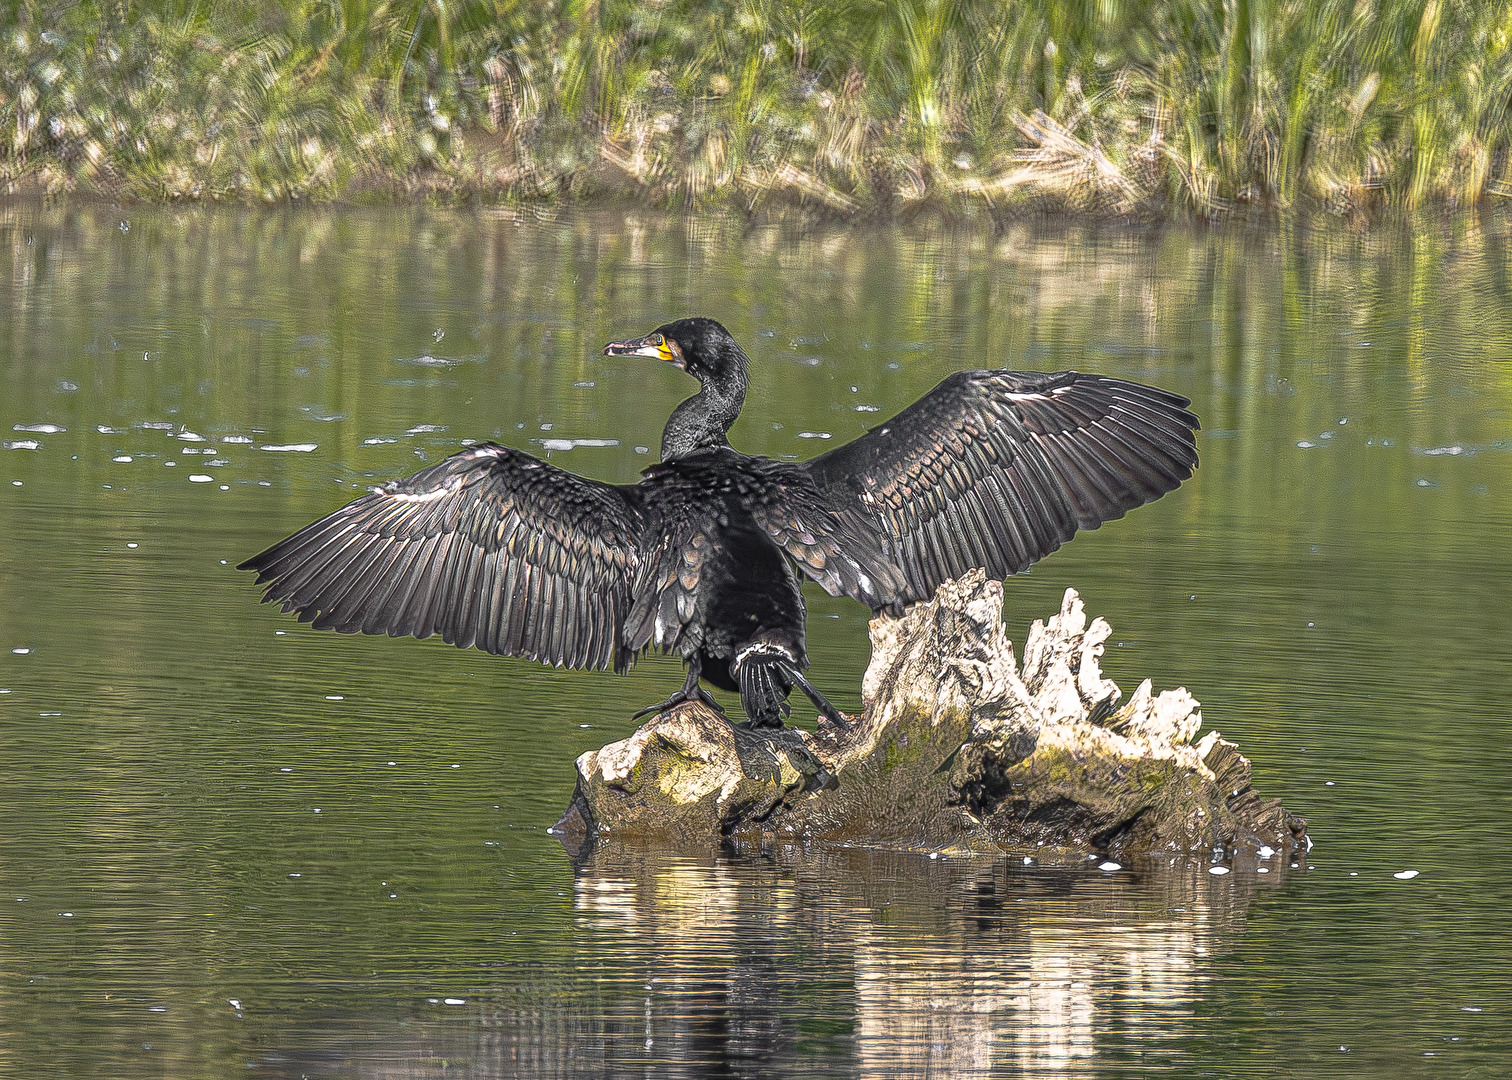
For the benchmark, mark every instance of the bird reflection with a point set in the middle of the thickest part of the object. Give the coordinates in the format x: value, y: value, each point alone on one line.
x: 856, y: 964
x: 966, y: 968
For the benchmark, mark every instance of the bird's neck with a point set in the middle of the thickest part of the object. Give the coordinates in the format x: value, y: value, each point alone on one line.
x: 700, y: 422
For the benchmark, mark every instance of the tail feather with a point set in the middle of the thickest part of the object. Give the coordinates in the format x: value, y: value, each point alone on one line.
x: 764, y: 686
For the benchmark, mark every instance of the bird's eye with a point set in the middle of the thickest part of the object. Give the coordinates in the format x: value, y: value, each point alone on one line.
x: 656, y: 339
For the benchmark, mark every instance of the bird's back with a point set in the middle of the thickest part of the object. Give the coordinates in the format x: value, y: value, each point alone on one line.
x: 715, y: 574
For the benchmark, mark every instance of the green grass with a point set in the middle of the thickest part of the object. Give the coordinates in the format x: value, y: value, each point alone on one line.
x: 862, y: 106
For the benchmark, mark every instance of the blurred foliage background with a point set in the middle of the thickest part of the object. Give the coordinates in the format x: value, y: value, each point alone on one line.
x: 1190, y: 107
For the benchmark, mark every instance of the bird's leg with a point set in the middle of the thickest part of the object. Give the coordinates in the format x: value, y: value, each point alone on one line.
x: 691, y: 691
x: 826, y: 710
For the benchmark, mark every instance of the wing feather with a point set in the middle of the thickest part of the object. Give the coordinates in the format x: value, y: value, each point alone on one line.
x: 355, y: 579
x: 406, y: 584
x: 999, y: 468
x: 491, y: 547
x: 387, y: 582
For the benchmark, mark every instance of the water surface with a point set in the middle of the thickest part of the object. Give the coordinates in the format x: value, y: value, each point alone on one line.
x: 231, y: 843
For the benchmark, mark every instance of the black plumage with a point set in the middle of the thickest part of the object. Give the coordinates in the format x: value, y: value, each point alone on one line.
x: 497, y: 549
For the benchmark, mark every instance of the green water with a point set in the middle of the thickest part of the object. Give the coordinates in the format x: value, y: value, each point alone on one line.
x: 230, y: 844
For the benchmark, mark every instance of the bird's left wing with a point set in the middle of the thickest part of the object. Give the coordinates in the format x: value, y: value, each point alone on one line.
x: 491, y: 547
x: 997, y: 469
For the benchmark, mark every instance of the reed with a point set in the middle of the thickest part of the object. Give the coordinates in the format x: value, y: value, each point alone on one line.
x: 862, y: 106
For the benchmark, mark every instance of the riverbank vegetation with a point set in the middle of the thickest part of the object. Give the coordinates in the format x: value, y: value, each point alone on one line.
x: 1147, y: 107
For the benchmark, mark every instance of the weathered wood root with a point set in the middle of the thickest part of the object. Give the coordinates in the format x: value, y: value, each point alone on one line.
x: 958, y: 748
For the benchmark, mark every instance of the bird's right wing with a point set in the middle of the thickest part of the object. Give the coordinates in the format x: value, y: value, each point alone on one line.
x: 491, y: 547
x: 997, y: 469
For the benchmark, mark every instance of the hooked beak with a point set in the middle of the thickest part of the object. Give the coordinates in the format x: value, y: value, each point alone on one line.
x: 656, y: 346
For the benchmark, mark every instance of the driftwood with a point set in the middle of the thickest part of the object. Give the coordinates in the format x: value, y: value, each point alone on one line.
x: 959, y: 748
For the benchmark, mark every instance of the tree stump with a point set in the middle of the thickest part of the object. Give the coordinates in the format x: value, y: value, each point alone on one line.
x: 959, y: 748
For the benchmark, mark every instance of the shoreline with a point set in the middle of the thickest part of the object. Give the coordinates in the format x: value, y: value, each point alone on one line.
x: 605, y: 186
x: 1486, y: 218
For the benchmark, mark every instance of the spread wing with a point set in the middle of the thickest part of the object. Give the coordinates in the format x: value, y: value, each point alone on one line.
x: 491, y: 547
x: 997, y: 469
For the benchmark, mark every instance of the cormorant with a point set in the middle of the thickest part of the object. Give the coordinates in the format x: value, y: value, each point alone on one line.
x: 495, y: 548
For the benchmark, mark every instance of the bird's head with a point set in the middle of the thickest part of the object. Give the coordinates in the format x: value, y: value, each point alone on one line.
x: 701, y: 347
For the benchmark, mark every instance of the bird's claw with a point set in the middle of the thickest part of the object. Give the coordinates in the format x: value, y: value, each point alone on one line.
x: 698, y: 694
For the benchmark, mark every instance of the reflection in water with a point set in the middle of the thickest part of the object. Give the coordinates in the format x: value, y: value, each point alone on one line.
x: 952, y: 968
x: 850, y: 963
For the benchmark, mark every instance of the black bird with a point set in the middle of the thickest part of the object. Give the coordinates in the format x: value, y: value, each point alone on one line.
x: 495, y: 548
